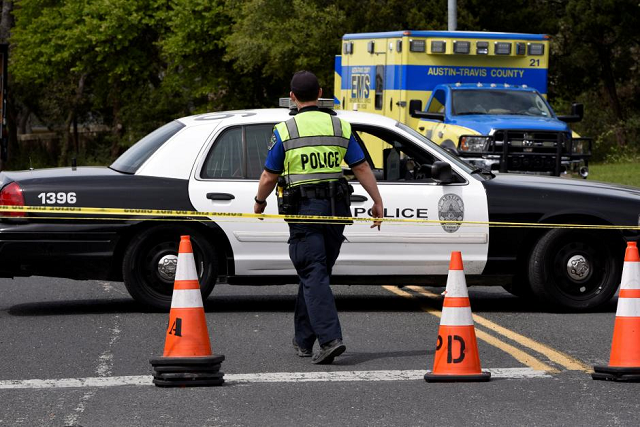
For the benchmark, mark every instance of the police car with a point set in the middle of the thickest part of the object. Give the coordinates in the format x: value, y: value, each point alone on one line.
x: 212, y: 163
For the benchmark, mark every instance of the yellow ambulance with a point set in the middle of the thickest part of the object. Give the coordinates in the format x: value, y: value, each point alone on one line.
x: 468, y: 91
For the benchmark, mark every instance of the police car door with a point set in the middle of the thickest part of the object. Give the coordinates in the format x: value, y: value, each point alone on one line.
x: 409, y: 193
x: 226, y: 180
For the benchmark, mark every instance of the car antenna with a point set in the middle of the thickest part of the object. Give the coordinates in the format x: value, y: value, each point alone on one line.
x: 30, y: 164
x: 74, y: 164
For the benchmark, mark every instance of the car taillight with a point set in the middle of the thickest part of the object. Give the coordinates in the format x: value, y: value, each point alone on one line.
x: 11, y: 195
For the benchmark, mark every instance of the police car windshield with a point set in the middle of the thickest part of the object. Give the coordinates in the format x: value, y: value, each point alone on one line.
x: 134, y: 157
x: 500, y: 102
x: 443, y: 154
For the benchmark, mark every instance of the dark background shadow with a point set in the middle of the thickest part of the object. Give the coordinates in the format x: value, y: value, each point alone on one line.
x: 481, y: 302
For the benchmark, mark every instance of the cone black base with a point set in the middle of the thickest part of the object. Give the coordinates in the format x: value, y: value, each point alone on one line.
x: 616, y: 373
x: 199, y: 361
x: 440, y: 378
x: 187, y: 371
x: 187, y: 368
x: 188, y: 383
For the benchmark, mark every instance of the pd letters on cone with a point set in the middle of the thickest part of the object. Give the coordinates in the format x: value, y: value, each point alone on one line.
x: 456, y: 357
x: 624, y: 362
x: 187, y: 358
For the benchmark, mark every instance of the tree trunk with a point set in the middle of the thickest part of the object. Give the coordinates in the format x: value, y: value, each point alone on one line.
x: 609, y: 82
x: 117, y: 128
x: 71, y: 118
x: 6, y: 22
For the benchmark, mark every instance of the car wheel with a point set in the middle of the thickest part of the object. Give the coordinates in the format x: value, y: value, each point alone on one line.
x: 574, y: 269
x: 150, y: 262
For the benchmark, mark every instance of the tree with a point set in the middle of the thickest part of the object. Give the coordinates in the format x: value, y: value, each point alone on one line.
x: 6, y: 22
x: 64, y: 48
x: 598, y: 49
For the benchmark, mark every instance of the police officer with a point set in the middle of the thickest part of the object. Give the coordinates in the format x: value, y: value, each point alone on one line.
x: 307, y: 150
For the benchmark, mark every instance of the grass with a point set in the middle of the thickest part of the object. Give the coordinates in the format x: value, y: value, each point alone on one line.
x: 619, y: 173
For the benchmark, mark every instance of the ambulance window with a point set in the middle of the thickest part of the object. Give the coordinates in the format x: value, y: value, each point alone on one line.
x: 379, y: 86
x: 437, y: 102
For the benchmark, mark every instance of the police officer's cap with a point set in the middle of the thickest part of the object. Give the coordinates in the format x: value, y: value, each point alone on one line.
x: 305, y: 86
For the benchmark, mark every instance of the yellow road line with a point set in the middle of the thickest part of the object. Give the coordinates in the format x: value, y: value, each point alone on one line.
x: 562, y: 359
x: 516, y: 353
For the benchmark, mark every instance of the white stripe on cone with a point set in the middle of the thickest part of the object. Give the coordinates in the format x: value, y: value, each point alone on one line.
x: 186, y: 298
x: 186, y: 269
x: 630, y: 275
x: 456, y: 284
x: 456, y: 316
x: 628, y: 307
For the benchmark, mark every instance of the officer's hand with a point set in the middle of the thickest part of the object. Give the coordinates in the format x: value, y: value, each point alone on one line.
x: 259, y: 208
x: 377, y: 210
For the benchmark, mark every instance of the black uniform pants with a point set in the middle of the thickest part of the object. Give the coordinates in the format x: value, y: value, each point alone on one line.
x: 313, y: 249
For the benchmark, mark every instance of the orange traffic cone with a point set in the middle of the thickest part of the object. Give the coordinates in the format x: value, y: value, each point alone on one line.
x: 624, y: 362
x: 187, y: 358
x: 456, y: 357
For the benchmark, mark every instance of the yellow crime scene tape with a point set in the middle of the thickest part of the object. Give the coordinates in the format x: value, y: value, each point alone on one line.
x: 179, y: 215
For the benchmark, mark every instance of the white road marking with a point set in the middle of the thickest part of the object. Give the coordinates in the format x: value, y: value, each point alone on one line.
x: 72, y: 419
x: 267, y: 377
x: 105, y: 363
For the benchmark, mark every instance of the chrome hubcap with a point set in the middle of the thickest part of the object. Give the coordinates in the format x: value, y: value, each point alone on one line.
x: 578, y: 268
x: 167, y: 267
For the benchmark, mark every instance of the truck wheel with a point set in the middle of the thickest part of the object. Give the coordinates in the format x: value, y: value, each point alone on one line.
x: 150, y: 261
x: 574, y: 269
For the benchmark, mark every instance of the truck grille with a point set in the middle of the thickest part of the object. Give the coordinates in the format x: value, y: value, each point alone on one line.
x: 530, y: 141
x: 535, y: 151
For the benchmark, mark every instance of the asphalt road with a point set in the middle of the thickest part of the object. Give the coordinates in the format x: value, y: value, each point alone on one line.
x: 76, y: 353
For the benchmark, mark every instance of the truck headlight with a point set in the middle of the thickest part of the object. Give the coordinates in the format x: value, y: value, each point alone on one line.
x: 473, y: 144
x: 580, y: 146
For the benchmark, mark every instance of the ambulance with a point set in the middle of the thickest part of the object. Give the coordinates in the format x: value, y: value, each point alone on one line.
x: 481, y: 95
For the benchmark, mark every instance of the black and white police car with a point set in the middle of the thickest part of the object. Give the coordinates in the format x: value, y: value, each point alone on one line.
x: 212, y: 162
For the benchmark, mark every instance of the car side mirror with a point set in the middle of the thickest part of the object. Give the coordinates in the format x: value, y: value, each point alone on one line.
x: 577, y: 113
x: 441, y: 172
x: 415, y: 105
x: 426, y: 115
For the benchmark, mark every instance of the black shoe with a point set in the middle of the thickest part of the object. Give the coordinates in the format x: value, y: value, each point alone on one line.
x: 302, y: 352
x: 328, y: 352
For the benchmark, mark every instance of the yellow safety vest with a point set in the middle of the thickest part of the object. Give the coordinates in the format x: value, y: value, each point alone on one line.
x: 315, y: 144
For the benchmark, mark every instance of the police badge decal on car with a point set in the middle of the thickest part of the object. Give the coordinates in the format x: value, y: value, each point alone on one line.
x: 450, y: 208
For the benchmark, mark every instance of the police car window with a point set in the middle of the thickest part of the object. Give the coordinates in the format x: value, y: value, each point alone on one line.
x: 239, y: 153
x: 134, y: 157
x: 442, y: 153
x: 226, y: 159
x: 394, y: 159
x: 257, y: 147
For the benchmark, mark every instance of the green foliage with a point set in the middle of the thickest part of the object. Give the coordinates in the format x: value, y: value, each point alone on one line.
x: 625, y: 173
x: 134, y: 65
x: 277, y: 38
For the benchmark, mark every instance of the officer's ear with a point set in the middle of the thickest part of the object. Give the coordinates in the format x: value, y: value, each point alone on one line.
x: 292, y: 96
x: 320, y: 93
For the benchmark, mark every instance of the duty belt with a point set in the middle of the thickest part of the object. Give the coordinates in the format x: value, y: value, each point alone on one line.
x: 314, y: 191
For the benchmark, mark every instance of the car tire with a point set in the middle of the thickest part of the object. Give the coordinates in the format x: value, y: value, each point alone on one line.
x: 574, y: 269
x: 151, y: 285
